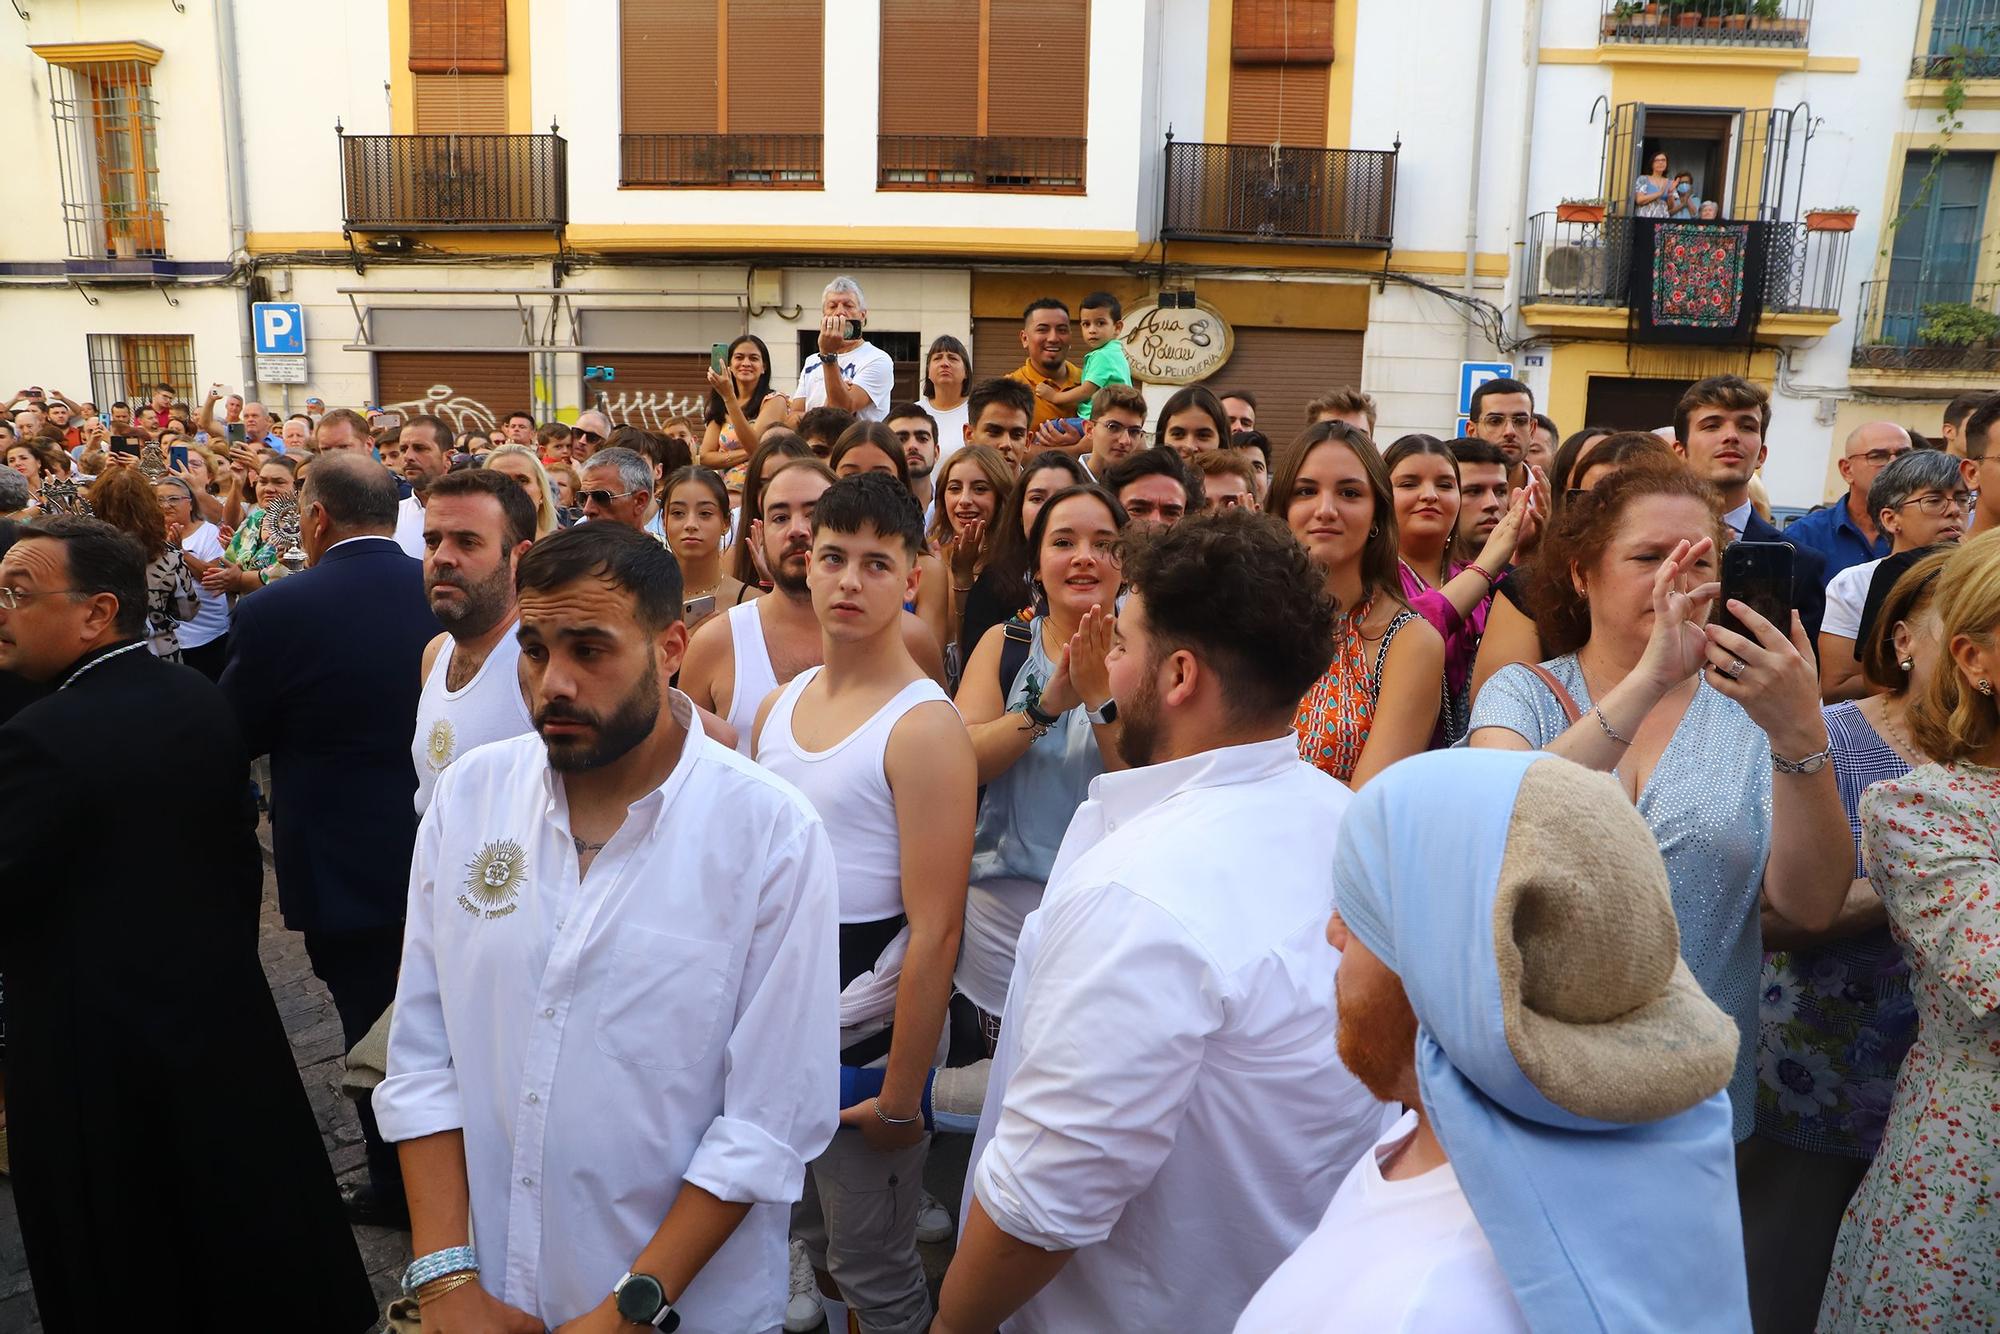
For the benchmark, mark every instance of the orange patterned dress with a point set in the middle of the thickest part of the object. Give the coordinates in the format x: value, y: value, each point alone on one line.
x: 1336, y: 715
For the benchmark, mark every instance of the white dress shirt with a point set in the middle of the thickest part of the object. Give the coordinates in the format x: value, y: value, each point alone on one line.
x: 670, y: 1019
x: 1166, y: 1100
x: 410, y: 526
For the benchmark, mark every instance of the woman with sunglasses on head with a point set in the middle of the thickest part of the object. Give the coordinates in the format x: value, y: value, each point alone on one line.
x: 1379, y: 699
x: 741, y: 406
x: 519, y: 462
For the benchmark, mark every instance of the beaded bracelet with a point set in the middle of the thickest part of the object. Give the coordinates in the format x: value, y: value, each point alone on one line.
x: 437, y: 1265
x: 1480, y: 570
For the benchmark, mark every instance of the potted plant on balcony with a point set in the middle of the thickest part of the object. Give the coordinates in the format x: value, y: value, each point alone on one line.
x: 1957, y: 324
x: 1580, y: 210
x: 124, y: 245
x: 1736, y: 15
x: 1625, y: 14
x: 1764, y: 14
x: 1686, y: 13
x: 1832, y: 218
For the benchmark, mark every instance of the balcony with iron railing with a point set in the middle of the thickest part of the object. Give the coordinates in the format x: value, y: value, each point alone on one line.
x: 993, y: 164
x: 1964, y: 42
x: 1783, y: 24
x: 1918, y: 328
x: 720, y: 161
x: 1288, y: 196
x: 494, y: 182
x: 1587, y: 263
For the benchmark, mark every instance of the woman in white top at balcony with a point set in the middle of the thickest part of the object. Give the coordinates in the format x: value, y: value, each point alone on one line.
x: 1649, y: 194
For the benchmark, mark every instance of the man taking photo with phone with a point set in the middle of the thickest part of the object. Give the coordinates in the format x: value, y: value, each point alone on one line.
x: 848, y: 373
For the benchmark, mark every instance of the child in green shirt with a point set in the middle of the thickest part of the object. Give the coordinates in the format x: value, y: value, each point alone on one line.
x: 1103, y: 320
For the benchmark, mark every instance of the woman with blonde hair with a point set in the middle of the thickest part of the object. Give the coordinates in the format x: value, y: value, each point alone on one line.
x: 1919, y: 1247
x: 519, y: 462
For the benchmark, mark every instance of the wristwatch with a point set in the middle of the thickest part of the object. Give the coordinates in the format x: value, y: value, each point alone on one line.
x: 1106, y: 712
x: 1032, y: 706
x: 1811, y: 764
x: 641, y: 1300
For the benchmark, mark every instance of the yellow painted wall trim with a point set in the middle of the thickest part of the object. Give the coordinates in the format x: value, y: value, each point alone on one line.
x: 1340, y: 79
x: 1921, y: 384
x: 706, y: 238
x: 1585, y: 321
x: 273, y: 243
x: 402, y: 84
x: 1706, y: 57
x: 1980, y: 94
x: 95, y: 53
x: 1244, y: 302
x: 520, y: 106
x: 1796, y: 325
x: 1573, y: 365
x: 1215, y: 108
x: 1833, y: 64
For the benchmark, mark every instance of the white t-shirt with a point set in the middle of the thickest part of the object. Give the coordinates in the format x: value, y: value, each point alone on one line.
x: 867, y: 365
x: 1389, y: 1255
x: 950, y: 427
x: 1846, y: 595
x: 410, y: 526
x: 211, y: 621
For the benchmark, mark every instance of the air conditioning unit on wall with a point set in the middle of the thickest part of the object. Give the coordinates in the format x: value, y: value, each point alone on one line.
x: 1573, y: 271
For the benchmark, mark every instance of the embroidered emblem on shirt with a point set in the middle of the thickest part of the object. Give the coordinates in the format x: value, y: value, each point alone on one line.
x: 493, y: 880
x: 443, y: 743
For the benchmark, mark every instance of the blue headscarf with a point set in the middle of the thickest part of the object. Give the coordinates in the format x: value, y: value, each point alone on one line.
x: 1598, y: 1225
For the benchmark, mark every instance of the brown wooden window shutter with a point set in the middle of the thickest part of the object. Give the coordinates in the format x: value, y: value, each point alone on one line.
x: 1037, y: 62
x: 460, y: 103
x: 667, y: 66
x: 776, y: 69
x: 1278, y: 32
x: 1281, y: 104
x: 469, y: 36
x: 930, y: 67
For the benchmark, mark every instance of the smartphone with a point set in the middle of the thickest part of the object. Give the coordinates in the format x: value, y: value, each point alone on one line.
x: 1758, y: 574
x: 695, y: 609
x: 177, y: 455
x: 853, y: 330
x: 387, y: 419
x: 718, y: 357
x: 237, y: 433
x: 122, y: 444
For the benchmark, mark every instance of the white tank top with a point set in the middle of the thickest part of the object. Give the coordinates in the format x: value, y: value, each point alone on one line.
x: 487, y: 708
x: 754, y: 678
x: 849, y: 787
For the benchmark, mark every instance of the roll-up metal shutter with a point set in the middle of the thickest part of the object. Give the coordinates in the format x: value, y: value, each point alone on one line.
x: 649, y: 389
x: 471, y: 391
x: 1286, y: 369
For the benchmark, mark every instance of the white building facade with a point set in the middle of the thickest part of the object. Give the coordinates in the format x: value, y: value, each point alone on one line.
x: 543, y: 206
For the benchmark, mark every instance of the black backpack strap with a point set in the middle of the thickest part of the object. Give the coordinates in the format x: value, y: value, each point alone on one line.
x: 1018, y: 642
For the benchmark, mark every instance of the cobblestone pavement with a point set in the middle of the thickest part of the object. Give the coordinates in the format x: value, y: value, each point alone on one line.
x: 316, y: 1042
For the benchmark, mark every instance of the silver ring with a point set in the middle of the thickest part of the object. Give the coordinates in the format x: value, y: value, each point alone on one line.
x: 1733, y: 669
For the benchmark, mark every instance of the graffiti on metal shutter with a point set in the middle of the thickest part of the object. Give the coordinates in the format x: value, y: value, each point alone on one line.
x: 461, y: 412
x: 650, y: 408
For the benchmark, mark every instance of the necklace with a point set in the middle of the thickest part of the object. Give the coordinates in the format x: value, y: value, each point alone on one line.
x: 584, y: 848
x: 1899, y: 738
x: 99, y: 662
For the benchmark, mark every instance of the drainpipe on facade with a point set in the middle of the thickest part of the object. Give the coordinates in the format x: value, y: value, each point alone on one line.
x: 1472, y: 348
x: 1533, y: 30
x: 232, y: 166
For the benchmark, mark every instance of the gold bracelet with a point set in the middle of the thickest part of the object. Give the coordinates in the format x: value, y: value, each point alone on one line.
x: 438, y: 1287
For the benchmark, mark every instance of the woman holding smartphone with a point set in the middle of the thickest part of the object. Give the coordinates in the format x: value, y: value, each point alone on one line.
x: 741, y: 406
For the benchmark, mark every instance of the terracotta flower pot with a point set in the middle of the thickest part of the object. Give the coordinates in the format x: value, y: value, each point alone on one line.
x: 1579, y: 213
x: 1830, y: 222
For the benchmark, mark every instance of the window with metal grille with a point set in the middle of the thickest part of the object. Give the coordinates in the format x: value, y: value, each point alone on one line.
x: 108, y: 158
x: 125, y: 367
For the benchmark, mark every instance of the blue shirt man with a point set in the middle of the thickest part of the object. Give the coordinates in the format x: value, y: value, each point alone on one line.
x: 1846, y: 533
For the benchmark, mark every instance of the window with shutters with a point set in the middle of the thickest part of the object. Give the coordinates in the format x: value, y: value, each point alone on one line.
x: 1281, y: 57
x: 984, y: 96
x: 719, y: 94
x: 458, y: 64
x: 107, y: 151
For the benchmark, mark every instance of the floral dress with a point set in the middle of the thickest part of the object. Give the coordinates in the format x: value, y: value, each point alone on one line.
x: 1919, y: 1248
x: 1336, y: 715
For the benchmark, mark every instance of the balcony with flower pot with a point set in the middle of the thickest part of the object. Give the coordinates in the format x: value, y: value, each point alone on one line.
x: 1779, y: 28
x: 1927, y: 338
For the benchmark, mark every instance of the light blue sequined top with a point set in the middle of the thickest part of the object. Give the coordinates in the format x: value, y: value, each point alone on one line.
x: 1708, y: 802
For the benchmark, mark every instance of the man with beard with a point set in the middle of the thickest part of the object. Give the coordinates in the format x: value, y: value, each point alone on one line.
x: 1158, y: 1058
x: 135, y: 998
x: 877, y: 748
x: 737, y: 660
x: 1512, y: 977
x: 917, y: 432
x: 423, y: 455
x: 324, y: 673
x: 610, y: 1057
x: 477, y: 526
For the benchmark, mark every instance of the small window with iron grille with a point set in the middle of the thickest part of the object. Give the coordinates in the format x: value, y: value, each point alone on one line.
x: 125, y: 368
x: 108, y: 157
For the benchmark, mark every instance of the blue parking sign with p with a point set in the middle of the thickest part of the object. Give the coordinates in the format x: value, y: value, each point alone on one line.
x: 279, y: 328
x: 1472, y: 374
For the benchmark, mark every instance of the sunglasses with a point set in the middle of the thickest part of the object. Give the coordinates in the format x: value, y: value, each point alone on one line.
x: 588, y: 437
x: 603, y: 498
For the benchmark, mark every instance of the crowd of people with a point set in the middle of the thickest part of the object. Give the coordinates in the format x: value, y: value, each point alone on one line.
x: 1337, y: 887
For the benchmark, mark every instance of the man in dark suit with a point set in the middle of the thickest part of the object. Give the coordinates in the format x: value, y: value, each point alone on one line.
x: 324, y: 672
x: 164, y: 1153
x: 1719, y: 428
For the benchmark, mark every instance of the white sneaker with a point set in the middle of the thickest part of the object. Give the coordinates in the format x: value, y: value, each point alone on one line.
x: 933, y: 1223
x: 803, y: 1310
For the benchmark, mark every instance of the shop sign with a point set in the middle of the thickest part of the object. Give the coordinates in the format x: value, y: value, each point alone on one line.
x: 1175, y: 344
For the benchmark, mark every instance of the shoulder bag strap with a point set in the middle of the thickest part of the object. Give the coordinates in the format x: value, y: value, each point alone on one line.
x: 1570, y: 711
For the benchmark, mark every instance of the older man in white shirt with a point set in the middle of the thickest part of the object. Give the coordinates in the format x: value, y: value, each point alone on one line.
x: 612, y: 1053
x: 1167, y: 1119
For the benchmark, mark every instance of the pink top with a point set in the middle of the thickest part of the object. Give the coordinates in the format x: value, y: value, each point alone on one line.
x: 1461, y: 645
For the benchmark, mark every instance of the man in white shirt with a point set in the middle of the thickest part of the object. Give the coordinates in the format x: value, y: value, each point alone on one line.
x: 610, y: 1060
x: 425, y: 445
x: 1166, y: 1117
x: 877, y: 748
x: 849, y: 373
x: 1512, y: 976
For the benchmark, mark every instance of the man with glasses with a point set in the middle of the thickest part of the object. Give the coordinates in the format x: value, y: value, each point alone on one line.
x: 617, y: 488
x: 1117, y: 428
x: 1846, y: 534
x: 1920, y: 500
x: 587, y: 436
x: 1503, y: 414
x: 1978, y: 439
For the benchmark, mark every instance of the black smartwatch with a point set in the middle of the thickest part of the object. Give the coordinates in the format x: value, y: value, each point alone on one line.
x: 641, y: 1300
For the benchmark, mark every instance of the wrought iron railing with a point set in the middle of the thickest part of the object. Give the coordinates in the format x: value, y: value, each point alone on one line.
x: 497, y: 181
x: 1588, y: 263
x: 1911, y: 326
x: 720, y: 161
x: 989, y: 163
x: 1965, y: 41
x: 1296, y: 196
x: 1782, y: 23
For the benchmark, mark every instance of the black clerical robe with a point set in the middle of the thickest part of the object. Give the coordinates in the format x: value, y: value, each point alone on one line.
x: 167, y: 1166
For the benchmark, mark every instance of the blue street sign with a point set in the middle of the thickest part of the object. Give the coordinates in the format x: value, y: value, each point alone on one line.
x: 1472, y: 374
x: 279, y: 328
